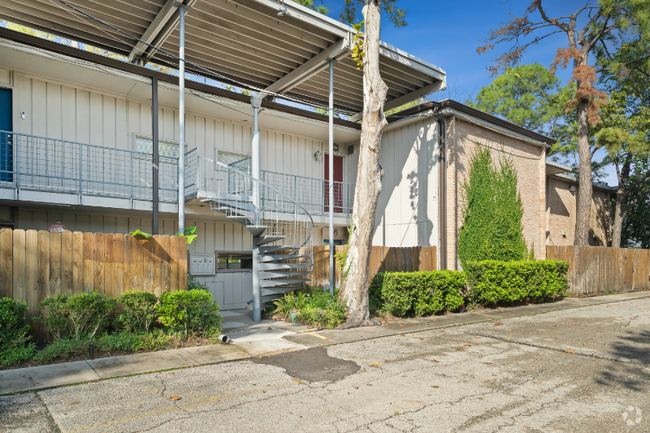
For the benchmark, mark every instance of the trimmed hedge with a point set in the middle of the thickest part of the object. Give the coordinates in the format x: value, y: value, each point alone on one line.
x: 417, y: 293
x: 493, y: 281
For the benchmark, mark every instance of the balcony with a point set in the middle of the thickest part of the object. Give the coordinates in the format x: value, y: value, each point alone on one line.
x: 47, y: 170
x: 205, y: 179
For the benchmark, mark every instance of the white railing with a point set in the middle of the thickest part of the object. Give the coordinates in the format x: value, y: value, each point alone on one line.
x: 36, y: 163
x: 29, y: 162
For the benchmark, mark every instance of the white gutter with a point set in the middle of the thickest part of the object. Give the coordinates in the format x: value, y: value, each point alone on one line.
x: 408, y: 120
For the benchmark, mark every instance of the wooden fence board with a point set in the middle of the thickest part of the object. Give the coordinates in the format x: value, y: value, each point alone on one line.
x: 19, y: 265
x: 89, y: 266
x: 6, y: 263
x: 166, y: 257
x: 109, y: 265
x: 55, y: 263
x: 98, y: 263
x: 175, y: 248
x: 138, y: 257
x: 182, y: 263
x: 603, y: 269
x: 66, y: 263
x: 31, y: 273
x: 148, y: 265
x: 382, y: 259
x: 77, y: 262
x: 118, y: 255
x: 157, y: 257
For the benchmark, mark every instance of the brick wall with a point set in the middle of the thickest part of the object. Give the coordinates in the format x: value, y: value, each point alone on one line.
x: 529, y: 160
x: 561, y: 213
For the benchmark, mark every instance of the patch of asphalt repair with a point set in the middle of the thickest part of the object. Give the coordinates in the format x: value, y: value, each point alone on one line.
x: 311, y: 365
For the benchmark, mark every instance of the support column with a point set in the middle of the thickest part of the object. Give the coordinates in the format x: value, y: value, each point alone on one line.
x: 155, y: 156
x: 181, y: 117
x: 256, y: 102
x: 331, y: 178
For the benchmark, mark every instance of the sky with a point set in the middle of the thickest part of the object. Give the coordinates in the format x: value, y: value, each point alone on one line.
x: 447, y: 33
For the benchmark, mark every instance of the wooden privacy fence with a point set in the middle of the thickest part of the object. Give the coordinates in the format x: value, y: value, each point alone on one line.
x: 603, y: 269
x: 382, y: 259
x: 36, y: 264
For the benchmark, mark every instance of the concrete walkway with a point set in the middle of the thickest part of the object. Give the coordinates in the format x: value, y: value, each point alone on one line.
x: 262, y: 339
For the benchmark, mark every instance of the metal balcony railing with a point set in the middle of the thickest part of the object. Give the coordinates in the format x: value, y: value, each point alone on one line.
x: 29, y: 162
x: 204, y: 178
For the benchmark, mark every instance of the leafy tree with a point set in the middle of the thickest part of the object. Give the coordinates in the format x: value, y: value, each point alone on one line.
x: 606, y: 27
x: 492, y: 227
x: 533, y: 98
x: 625, y: 133
x: 636, y: 226
x: 310, y: 4
x: 351, y: 9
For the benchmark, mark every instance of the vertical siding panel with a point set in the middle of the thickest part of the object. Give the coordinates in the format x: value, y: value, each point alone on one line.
x: 121, y: 129
x: 53, y: 104
x: 83, y: 116
x: 68, y: 113
x: 96, y: 119
x: 39, y: 110
x: 109, y: 119
x: 66, y: 263
x: 22, y: 99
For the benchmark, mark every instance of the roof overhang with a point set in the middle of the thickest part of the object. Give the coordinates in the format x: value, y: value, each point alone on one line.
x: 239, y: 42
x: 556, y: 168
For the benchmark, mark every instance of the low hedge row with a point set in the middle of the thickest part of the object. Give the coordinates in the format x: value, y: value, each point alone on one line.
x: 417, y: 293
x: 492, y: 282
x: 482, y: 283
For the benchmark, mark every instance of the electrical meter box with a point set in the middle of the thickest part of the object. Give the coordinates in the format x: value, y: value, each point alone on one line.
x: 202, y: 264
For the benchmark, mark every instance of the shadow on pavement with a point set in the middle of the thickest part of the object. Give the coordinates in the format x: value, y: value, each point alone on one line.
x: 635, y: 346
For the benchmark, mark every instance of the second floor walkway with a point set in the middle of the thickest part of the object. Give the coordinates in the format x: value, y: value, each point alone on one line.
x: 60, y: 172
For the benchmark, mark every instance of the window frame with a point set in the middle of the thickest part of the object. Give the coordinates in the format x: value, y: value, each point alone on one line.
x: 232, y: 271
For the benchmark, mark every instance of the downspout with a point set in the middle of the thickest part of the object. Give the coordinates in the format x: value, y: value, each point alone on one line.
x: 442, y: 187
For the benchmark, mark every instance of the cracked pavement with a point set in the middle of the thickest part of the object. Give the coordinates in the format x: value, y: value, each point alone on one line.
x: 576, y: 370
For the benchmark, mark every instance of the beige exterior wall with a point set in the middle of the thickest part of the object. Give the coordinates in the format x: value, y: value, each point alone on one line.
x: 561, y: 213
x: 463, y: 138
x: 407, y: 211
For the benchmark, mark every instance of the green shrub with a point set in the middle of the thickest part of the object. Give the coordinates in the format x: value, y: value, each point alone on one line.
x: 193, y: 284
x: 417, y: 293
x: 132, y: 342
x: 323, y: 309
x: 77, y: 316
x: 15, y: 355
x: 140, y: 311
x: 290, y: 301
x: 13, y: 324
x: 492, y: 282
x: 191, y: 312
x: 64, y: 348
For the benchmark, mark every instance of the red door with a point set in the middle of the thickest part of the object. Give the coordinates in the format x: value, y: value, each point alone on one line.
x: 338, y: 184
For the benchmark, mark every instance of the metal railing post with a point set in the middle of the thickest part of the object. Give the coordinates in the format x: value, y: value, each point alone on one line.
x: 80, y: 172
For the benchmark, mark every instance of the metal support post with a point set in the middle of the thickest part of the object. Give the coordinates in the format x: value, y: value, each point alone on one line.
x: 331, y: 177
x: 256, y: 102
x: 156, y: 156
x: 181, y: 116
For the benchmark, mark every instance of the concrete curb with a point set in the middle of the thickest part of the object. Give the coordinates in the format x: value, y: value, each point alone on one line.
x: 253, y: 342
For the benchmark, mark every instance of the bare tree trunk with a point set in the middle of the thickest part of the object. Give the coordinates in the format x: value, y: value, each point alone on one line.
x: 355, y: 287
x: 619, y: 216
x: 583, y: 213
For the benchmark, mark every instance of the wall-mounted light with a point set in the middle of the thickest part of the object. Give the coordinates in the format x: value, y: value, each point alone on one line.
x: 572, y: 190
x: 563, y: 233
x: 317, y: 155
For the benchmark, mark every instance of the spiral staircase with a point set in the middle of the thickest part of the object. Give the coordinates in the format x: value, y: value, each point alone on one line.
x: 282, y: 229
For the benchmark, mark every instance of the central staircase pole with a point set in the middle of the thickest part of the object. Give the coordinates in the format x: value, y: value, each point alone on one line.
x: 256, y: 102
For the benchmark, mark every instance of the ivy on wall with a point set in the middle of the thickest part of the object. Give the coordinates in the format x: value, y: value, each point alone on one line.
x: 492, y: 227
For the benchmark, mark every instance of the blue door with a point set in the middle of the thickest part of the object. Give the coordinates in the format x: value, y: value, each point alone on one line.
x: 6, y: 152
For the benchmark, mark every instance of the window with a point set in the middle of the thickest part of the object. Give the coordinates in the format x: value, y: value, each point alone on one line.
x: 165, y: 148
x: 230, y: 157
x: 234, y: 262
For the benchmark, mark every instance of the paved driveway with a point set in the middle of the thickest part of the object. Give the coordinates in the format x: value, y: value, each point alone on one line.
x: 579, y: 370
